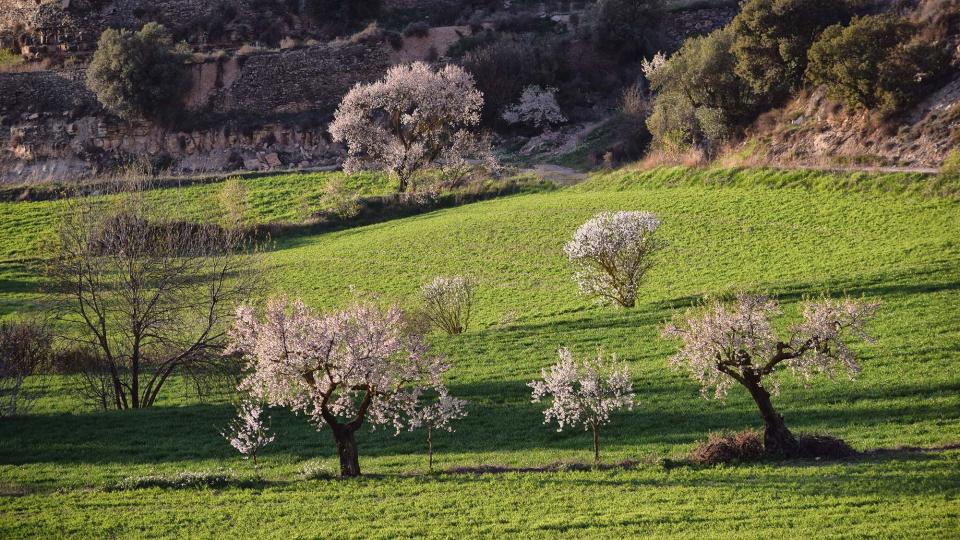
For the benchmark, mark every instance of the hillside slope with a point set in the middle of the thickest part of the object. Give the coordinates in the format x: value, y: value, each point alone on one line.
x: 725, y: 229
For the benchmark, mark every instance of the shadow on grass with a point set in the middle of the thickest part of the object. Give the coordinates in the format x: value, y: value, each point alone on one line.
x: 501, y: 419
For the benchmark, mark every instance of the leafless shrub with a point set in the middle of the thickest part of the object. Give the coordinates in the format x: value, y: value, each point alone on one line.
x: 24, y: 349
x: 447, y: 303
x: 338, y: 199
x: 233, y: 199
x: 738, y: 447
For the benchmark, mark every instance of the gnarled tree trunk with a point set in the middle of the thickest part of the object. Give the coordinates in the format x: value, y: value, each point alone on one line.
x: 347, y: 450
x: 777, y: 439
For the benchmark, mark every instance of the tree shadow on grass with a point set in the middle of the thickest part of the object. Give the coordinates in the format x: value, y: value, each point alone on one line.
x: 501, y: 419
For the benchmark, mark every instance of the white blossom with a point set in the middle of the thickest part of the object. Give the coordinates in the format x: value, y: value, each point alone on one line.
x: 611, y: 253
x: 347, y: 367
x: 584, y: 394
x: 650, y: 67
x: 410, y: 119
x: 537, y: 108
x: 247, y: 432
x: 724, y: 344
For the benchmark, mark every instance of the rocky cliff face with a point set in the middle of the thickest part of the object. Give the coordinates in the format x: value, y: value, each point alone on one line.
x: 265, y: 110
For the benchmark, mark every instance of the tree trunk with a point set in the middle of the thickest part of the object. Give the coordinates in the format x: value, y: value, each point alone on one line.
x: 430, y: 448
x: 347, y: 450
x: 777, y: 439
x: 596, y: 448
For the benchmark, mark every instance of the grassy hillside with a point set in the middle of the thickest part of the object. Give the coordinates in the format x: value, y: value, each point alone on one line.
x: 793, y: 234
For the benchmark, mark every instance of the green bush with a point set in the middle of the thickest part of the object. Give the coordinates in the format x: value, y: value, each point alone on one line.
x: 892, y: 69
x: 137, y: 74
x: 951, y: 164
x: 699, y: 96
x: 627, y: 27
x: 772, y: 38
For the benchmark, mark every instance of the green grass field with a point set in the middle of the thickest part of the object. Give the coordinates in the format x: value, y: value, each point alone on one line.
x: 891, y: 237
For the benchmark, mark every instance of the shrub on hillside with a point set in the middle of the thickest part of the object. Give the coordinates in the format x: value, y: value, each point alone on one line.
x: 338, y: 199
x: 537, y: 108
x: 951, y: 164
x: 25, y: 348
x: 343, y: 15
x: 699, y: 97
x: 505, y: 67
x: 893, y: 68
x: 771, y: 39
x: 137, y: 74
x: 448, y: 303
x: 627, y: 28
x: 418, y: 29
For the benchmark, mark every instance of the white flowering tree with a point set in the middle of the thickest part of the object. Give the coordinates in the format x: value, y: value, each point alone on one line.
x: 612, y: 253
x: 448, y: 302
x: 341, y: 369
x: 437, y: 415
x: 413, y: 118
x: 247, y: 433
x: 725, y: 344
x: 584, y: 393
x: 537, y: 108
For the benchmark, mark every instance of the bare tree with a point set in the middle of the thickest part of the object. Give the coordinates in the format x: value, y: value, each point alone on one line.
x: 24, y: 349
x: 152, y: 296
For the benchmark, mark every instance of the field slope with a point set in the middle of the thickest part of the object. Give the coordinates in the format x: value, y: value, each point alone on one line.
x: 795, y: 235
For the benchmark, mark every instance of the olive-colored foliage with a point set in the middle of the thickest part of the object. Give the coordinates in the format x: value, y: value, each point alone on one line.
x: 772, y: 38
x: 875, y: 62
x: 699, y: 96
x: 627, y: 28
x: 137, y: 74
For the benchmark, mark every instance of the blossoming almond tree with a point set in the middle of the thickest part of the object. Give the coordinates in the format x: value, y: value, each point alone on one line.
x: 537, y: 108
x: 437, y: 415
x: 612, y: 253
x: 736, y: 343
x: 342, y: 369
x: 584, y: 394
x: 247, y: 433
x: 412, y: 118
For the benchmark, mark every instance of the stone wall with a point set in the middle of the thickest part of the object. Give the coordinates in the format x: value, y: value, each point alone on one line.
x: 52, y: 126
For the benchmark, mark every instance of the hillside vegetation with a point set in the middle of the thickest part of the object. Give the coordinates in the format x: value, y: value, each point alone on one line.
x: 792, y: 233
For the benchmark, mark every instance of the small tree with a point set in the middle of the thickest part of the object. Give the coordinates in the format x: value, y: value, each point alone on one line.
x: 537, y: 108
x: 584, y: 394
x: 726, y: 344
x: 25, y: 347
x: 149, y: 295
x: 341, y: 369
x: 438, y: 415
x: 699, y: 96
x: 247, y: 433
x: 612, y: 253
x: 137, y: 74
x: 448, y: 302
x: 413, y: 118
